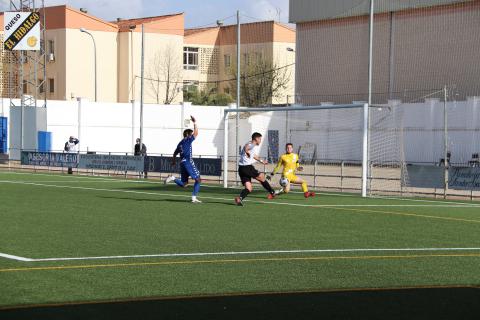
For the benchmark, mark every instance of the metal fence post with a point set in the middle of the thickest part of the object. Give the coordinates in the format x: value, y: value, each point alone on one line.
x: 341, y: 175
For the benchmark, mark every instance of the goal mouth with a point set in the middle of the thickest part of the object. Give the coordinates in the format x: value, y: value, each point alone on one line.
x: 331, y: 141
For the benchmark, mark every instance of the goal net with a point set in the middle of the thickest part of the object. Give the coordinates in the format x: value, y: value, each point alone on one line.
x: 331, y: 141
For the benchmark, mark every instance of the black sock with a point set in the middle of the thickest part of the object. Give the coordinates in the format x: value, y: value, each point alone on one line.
x: 244, y: 193
x: 268, y: 187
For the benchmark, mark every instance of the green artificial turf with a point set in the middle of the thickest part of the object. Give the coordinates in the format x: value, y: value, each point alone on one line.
x: 60, y: 216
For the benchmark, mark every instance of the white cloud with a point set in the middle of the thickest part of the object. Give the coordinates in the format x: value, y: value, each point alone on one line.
x: 268, y: 10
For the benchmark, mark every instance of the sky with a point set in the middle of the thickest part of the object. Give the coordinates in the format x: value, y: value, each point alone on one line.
x: 197, y: 12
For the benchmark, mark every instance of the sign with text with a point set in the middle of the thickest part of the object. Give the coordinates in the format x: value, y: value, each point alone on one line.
x: 464, y: 178
x: 111, y: 162
x: 22, y: 31
x: 206, y: 166
x: 49, y: 159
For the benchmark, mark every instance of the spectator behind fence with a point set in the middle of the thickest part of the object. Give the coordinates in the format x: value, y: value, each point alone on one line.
x: 71, y: 147
x: 141, y: 152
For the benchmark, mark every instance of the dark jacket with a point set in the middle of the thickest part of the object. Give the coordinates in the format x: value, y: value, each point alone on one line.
x: 139, y: 152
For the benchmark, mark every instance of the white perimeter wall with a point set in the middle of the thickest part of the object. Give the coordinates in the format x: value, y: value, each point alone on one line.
x: 113, y: 127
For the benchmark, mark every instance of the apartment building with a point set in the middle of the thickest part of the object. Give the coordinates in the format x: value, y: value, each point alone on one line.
x: 175, y: 59
x: 210, y: 57
x: 418, y: 47
x: 71, y: 55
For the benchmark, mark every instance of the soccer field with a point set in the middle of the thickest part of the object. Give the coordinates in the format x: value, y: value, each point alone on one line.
x: 78, y: 238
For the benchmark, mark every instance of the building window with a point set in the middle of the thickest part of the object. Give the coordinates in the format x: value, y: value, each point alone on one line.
x: 51, y: 47
x: 226, y: 90
x: 51, y: 85
x: 228, y: 60
x: 190, y: 58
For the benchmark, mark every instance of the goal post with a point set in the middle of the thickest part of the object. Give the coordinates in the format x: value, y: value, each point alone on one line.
x: 338, y: 132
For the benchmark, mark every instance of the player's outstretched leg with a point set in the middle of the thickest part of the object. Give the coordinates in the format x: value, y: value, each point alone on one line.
x: 306, y: 193
x: 196, y: 190
x: 245, y: 192
x: 266, y: 185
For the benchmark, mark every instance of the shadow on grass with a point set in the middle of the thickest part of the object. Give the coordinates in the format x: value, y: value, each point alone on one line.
x: 183, y: 200
x: 258, y: 191
x: 417, y: 303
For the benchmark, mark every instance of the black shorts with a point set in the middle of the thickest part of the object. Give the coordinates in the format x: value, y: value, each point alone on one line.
x: 246, y: 173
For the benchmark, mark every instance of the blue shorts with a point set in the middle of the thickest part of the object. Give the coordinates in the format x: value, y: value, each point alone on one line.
x: 188, y: 169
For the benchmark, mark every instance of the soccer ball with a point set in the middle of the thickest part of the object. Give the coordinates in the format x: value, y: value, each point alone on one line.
x: 284, y: 182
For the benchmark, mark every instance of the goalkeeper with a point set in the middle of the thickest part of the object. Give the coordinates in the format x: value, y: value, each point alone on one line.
x: 290, y: 164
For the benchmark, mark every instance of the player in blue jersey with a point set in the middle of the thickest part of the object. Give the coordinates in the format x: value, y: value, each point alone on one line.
x: 187, y: 166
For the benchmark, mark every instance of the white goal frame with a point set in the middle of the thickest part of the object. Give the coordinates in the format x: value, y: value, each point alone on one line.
x: 363, y: 106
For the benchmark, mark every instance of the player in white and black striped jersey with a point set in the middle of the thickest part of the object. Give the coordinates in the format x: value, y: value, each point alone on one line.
x: 247, y: 171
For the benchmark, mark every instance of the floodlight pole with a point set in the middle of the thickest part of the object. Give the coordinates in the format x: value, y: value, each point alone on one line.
x: 237, y: 120
x: 142, y: 71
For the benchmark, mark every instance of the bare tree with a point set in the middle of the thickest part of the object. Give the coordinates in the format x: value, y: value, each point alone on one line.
x: 164, y: 75
x: 261, y: 81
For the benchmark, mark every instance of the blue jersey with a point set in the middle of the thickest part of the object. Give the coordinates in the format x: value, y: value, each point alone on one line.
x: 184, y: 148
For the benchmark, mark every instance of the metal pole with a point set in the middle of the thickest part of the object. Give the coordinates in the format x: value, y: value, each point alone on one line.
x: 22, y: 101
x: 370, y: 52
x: 142, y: 70
x: 365, y: 149
x: 94, y: 59
x: 44, y: 57
x: 237, y: 121
x: 445, y: 139
x: 366, y: 113
x: 225, y: 150
x: 95, y: 64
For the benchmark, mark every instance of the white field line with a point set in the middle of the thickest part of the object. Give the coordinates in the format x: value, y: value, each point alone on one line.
x: 237, y: 253
x: 12, y: 257
x: 272, y: 202
x: 220, y: 187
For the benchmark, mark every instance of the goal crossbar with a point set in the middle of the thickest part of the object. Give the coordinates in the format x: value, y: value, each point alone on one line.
x: 364, y: 106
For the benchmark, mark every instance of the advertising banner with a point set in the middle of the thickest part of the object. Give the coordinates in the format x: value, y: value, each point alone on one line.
x: 206, y: 166
x: 22, y: 31
x: 425, y: 176
x: 49, y: 159
x: 464, y: 178
x: 111, y: 162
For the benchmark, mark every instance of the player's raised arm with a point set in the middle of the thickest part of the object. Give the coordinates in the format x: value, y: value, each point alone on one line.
x: 275, y: 170
x: 195, y: 128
